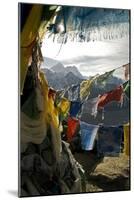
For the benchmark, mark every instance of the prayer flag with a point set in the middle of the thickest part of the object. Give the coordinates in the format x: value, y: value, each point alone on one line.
x: 72, y: 124
x: 126, y: 88
x: 109, y: 141
x: 114, y: 95
x: 88, y: 135
x: 85, y: 87
x: 126, y: 129
x: 64, y: 107
x: 28, y: 39
x: 90, y: 106
x: 75, y: 108
x: 104, y: 77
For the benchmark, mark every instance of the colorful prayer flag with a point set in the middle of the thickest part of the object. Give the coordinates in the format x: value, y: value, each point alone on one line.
x: 72, y: 123
x: 88, y: 135
x: 28, y: 39
x: 126, y: 129
x: 85, y: 87
x: 104, y: 77
x: 126, y: 88
x: 90, y: 106
x: 109, y: 141
x: 75, y: 108
x: 64, y: 107
x: 114, y: 95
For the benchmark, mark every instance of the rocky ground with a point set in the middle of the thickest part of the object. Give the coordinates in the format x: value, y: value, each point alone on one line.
x: 105, y: 174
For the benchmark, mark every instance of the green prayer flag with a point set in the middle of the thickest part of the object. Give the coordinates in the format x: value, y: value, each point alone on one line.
x: 103, y: 78
x: 126, y: 88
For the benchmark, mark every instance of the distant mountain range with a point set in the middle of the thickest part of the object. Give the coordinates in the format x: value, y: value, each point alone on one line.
x: 61, y: 80
x: 58, y: 67
x: 60, y: 77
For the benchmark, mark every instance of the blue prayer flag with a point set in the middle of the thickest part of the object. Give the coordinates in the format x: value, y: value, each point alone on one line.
x: 109, y: 141
x: 88, y: 135
x: 75, y: 108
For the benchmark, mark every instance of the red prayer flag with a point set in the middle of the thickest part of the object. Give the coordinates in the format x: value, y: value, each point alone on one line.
x: 114, y: 95
x: 72, y: 127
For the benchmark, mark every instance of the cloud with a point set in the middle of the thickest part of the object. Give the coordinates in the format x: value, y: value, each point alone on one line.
x: 92, y: 57
x: 91, y: 65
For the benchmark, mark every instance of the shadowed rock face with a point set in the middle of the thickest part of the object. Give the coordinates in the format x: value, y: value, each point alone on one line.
x: 105, y: 174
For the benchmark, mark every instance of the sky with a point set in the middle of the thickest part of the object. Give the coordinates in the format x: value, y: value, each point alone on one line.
x: 91, y: 57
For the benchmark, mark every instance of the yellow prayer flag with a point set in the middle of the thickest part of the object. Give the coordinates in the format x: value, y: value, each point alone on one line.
x: 127, y: 139
x: 33, y: 28
x: 50, y: 111
x: 85, y: 87
x: 27, y: 40
x: 64, y: 105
